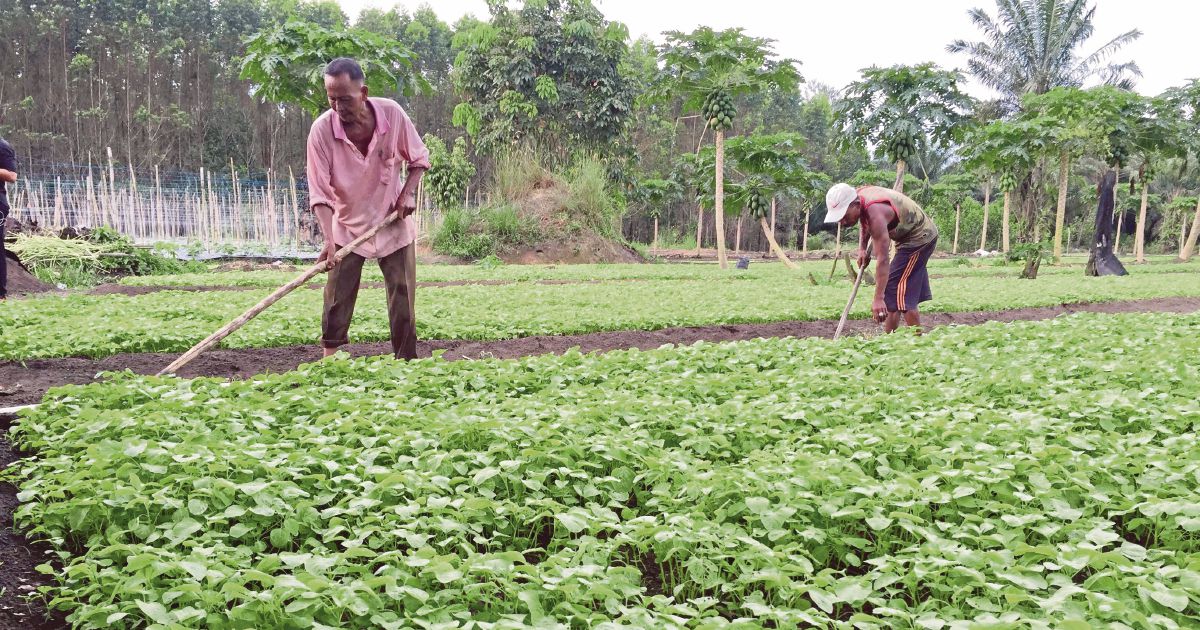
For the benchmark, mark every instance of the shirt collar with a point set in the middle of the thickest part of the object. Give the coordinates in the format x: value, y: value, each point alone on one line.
x: 382, y: 125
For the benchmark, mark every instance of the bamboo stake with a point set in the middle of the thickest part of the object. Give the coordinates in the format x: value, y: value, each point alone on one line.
x: 266, y: 302
x: 112, y: 191
x: 295, y: 207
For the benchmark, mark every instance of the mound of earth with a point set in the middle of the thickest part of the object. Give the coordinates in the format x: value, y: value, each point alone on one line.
x: 20, y: 281
x: 588, y: 248
x: 566, y: 241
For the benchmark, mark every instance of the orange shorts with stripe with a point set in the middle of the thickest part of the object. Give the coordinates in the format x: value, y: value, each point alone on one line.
x: 908, y: 278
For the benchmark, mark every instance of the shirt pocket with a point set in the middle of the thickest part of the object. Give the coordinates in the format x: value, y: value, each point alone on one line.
x: 387, y: 167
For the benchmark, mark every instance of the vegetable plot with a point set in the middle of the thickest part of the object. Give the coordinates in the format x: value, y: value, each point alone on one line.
x: 99, y: 326
x: 1021, y: 475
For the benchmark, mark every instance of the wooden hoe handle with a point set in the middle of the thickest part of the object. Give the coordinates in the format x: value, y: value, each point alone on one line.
x: 266, y: 302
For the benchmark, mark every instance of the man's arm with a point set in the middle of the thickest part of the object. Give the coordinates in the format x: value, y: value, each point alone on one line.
x: 876, y: 225
x: 407, y: 203
x: 7, y: 176
x: 415, y: 153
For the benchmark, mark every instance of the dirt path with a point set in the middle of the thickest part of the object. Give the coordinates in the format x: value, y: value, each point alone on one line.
x: 18, y: 557
x: 26, y: 382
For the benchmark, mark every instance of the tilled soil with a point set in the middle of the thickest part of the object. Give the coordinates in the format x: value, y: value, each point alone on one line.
x: 26, y: 382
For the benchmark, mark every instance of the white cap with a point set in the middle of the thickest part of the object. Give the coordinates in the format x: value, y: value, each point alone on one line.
x: 838, y: 200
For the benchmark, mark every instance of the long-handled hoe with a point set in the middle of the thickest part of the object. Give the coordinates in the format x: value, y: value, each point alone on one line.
x: 240, y: 320
x: 853, y: 294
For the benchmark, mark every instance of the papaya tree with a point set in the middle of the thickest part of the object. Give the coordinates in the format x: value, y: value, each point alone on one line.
x: 709, y: 69
x: 284, y: 63
x: 950, y: 191
x: 1068, y: 122
x: 770, y: 165
x: 1185, y: 100
x: 650, y: 195
x: 902, y: 110
x: 1006, y: 149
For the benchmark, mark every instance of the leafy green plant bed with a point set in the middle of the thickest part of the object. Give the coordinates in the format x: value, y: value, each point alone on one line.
x: 1009, y: 475
x: 169, y: 321
x: 688, y: 271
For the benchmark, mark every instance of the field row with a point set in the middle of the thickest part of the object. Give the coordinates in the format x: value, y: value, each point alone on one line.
x: 524, y: 273
x: 1020, y: 475
x: 169, y: 321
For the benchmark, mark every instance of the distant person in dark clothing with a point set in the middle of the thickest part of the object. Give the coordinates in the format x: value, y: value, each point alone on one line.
x: 8, y: 175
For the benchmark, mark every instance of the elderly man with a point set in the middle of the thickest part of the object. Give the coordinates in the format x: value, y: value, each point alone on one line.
x: 885, y: 217
x: 355, y: 153
x: 8, y: 175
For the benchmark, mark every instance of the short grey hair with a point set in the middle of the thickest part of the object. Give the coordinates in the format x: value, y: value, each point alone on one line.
x: 346, y: 66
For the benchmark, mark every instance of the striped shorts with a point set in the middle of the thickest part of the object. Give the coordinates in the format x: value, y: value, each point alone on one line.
x: 908, y: 279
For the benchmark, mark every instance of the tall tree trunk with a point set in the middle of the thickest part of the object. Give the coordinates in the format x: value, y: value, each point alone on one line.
x: 1190, y: 245
x: 719, y: 193
x: 987, y: 204
x: 654, y: 243
x: 957, y: 218
x: 1061, y: 212
x: 737, y: 235
x: 774, y: 245
x: 1102, y: 261
x: 1182, y: 232
x: 807, y: 210
x: 901, y: 166
x: 1030, y: 196
x: 772, y: 216
x: 1004, y: 222
x: 699, y: 226
x: 1139, y: 239
x: 1120, y: 228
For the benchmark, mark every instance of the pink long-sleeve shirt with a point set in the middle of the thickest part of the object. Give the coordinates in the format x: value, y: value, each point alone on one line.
x: 362, y: 189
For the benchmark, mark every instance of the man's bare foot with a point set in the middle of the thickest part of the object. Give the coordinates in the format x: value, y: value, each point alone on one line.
x: 328, y: 352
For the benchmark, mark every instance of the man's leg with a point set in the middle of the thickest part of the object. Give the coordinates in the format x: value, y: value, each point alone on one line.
x: 914, y: 287
x: 341, y: 292
x: 400, y: 277
x: 912, y: 317
x: 903, y: 262
x: 892, y: 322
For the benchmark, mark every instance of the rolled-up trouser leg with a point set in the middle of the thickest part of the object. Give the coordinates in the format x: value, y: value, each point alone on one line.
x: 341, y: 292
x: 400, y: 277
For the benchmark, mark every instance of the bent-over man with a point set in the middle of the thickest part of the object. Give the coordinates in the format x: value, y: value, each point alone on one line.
x: 885, y: 217
x: 356, y: 152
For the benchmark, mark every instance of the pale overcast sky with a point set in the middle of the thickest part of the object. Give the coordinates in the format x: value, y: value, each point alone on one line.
x: 834, y: 40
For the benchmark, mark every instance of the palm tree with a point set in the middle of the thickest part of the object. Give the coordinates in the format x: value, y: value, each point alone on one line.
x: 1030, y: 48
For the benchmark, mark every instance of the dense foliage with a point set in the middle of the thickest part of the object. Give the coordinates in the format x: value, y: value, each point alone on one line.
x: 1033, y: 474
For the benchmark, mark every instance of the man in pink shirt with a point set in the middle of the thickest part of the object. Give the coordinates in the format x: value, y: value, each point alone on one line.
x: 356, y: 154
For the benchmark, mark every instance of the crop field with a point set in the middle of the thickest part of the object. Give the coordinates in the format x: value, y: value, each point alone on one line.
x: 1039, y: 474
x: 103, y: 325
x: 582, y: 273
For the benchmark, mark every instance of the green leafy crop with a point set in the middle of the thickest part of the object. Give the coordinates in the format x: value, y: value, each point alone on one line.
x: 1038, y: 475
